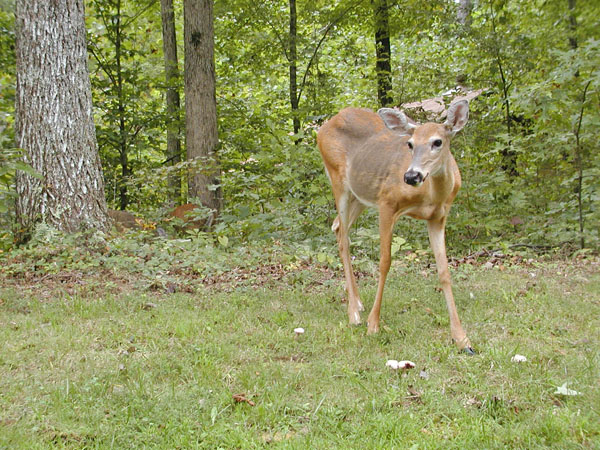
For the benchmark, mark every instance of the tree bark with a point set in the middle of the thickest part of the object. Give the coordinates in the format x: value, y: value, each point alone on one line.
x: 383, y: 65
x: 53, y: 119
x: 463, y: 14
x: 172, y: 97
x: 200, y: 103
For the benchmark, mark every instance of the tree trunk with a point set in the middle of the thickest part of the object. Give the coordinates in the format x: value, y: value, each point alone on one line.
x: 572, y: 24
x: 463, y: 14
x: 53, y: 119
x: 509, y: 156
x: 578, y: 159
x: 383, y: 65
x: 172, y: 97
x: 200, y: 103
x: 293, y: 60
x: 123, y: 133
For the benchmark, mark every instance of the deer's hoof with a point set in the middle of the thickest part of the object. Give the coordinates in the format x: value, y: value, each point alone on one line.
x: 372, y: 329
x: 469, y: 351
x: 354, y: 318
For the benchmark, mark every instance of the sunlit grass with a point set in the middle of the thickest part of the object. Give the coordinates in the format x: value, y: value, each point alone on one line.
x: 137, y: 369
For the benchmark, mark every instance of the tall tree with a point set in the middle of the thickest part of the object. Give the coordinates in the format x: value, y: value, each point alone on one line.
x: 53, y: 118
x: 290, y: 49
x: 383, y: 64
x: 201, y: 136
x: 172, y: 97
x: 463, y: 13
x: 126, y: 67
x: 293, y: 62
x: 509, y: 155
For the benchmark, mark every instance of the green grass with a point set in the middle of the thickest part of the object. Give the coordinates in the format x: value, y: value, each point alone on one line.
x: 85, y: 367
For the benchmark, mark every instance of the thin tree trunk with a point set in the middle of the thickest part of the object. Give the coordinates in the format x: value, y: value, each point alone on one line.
x: 579, y: 166
x: 463, y: 13
x: 578, y: 159
x: 383, y: 65
x: 509, y: 156
x: 172, y: 97
x: 123, y: 134
x: 53, y: 119
x: 293, y: 60
x: 200, y: 103
x: 572, y: 24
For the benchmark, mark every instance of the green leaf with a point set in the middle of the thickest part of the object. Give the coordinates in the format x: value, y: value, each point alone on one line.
x: 223, y: 240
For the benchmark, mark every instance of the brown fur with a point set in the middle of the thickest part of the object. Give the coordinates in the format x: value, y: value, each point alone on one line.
x: 366, y: 162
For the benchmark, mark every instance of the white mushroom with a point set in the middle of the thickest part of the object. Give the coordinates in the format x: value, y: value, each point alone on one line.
x: 392, y: 364
x: 404, y: 365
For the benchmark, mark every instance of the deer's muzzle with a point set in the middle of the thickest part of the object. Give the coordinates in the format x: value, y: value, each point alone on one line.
x: 413, y: 178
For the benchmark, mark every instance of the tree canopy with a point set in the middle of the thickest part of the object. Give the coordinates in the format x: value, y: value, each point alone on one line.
x: 530, y: 168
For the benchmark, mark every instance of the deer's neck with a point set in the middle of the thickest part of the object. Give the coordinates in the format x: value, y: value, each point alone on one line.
x: 443, y: 181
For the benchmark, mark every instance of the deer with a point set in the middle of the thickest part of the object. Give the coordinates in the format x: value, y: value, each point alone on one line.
x: 387, y: 161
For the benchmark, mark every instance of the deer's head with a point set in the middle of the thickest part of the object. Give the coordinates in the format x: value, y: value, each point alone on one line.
x: 429, y: 143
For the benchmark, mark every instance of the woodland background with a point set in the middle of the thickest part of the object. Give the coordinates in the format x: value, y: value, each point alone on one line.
x: 528, y: 156
x: 142, y: 338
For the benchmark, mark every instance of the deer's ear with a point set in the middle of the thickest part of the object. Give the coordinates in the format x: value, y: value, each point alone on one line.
x: 396, y: 121
x: 457, y: 117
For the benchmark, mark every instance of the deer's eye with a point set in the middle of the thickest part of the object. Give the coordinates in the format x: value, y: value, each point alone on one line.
x: 410, y: 145
x: 437, y: 143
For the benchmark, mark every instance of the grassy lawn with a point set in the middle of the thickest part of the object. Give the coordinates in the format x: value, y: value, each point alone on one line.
x: 86, y: 365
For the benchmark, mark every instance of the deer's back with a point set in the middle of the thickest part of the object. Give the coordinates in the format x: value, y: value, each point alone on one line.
x: 345, y: 133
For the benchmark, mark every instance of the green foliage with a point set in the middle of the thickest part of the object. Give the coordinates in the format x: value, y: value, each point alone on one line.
x: 533, y: 59
x: 126, y: 68
x: 8, y: 156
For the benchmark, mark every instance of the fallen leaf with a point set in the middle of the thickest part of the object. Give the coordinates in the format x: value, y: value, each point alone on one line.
x: 564, y: 390
x: 474, y: 402
x: 414, y: 396
x: 413, y: 392
x: 518, y: 359
x: 241, y: 398
x: 278, y: 436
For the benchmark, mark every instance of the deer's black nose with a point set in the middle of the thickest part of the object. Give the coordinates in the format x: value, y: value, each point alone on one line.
x: 413, y: 177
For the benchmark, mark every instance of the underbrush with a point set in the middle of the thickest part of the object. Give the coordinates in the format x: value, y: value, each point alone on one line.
x: 135, y: 341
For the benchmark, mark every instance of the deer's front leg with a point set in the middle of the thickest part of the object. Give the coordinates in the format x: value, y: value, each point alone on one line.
x: 437, y: 239
x: 386, y: 225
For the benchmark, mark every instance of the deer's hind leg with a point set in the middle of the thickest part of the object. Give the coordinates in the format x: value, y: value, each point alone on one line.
x: 349, y: 208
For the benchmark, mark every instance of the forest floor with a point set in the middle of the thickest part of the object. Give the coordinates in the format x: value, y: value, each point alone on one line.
x: 93, y: 357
